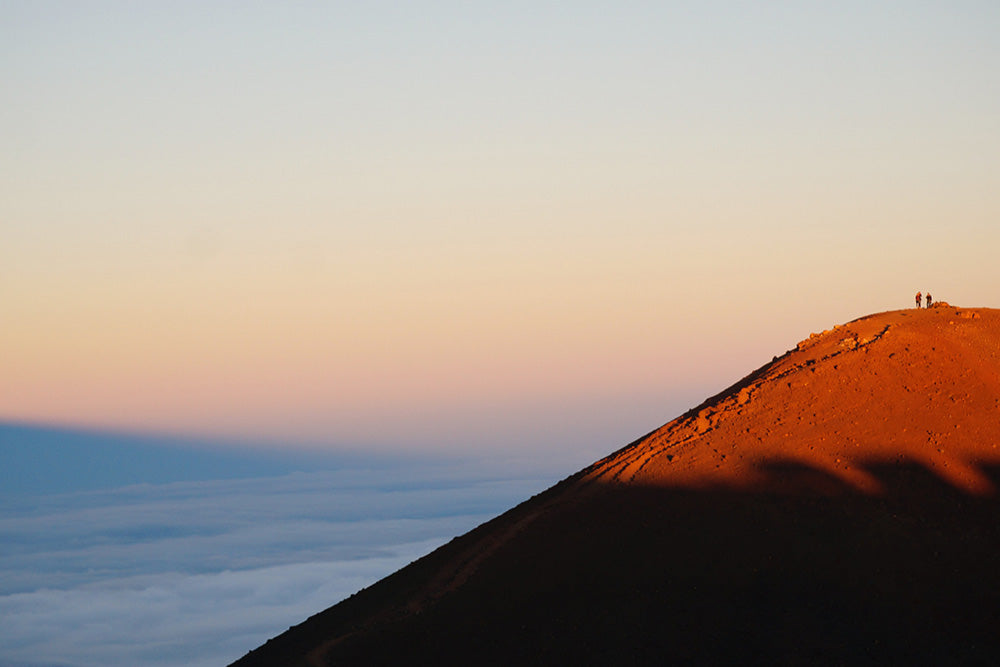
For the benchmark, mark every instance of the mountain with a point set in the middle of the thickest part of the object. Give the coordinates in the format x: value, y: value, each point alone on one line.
x: 836, y: 506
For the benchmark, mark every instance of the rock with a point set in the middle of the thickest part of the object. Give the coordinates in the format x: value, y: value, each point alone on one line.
x: 743, y: 397
x: 702, y: 423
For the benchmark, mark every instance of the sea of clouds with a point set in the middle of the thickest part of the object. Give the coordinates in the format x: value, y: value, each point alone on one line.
x: 199, y: 572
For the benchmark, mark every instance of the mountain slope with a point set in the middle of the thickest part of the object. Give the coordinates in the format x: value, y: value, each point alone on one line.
x: 837, y: 505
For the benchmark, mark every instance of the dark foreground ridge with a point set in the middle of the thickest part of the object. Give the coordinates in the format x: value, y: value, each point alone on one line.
x: 837, y: 506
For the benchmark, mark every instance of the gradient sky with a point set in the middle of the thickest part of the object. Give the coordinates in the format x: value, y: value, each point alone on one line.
x: 468, y: 226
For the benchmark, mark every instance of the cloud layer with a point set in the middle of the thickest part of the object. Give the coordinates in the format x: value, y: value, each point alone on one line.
x: 198, y: 573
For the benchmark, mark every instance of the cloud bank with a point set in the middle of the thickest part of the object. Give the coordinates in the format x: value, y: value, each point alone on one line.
x: 198, y: 573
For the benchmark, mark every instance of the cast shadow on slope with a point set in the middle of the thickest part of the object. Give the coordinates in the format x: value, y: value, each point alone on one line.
x: 800, y: 569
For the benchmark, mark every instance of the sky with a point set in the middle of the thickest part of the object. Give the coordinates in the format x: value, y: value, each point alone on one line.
x: 471, y: 227
x: 291, y: 293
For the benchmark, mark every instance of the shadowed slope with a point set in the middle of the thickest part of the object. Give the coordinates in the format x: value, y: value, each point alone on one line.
x: 835, y: 506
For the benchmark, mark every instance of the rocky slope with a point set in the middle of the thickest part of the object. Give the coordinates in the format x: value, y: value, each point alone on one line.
x: 835, y: 506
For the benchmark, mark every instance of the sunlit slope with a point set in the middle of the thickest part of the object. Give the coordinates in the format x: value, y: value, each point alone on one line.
x: 836, y: 506
x: 916, y: 386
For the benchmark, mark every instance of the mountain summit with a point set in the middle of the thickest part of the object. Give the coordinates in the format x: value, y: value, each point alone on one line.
x: 838, y: 505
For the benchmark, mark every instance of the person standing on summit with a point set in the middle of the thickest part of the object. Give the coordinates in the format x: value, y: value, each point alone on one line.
x: 930, y: 301
x: 918, y: 299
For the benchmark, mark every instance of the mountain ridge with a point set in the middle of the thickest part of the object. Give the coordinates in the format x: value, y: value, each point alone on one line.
x: 848, y: 484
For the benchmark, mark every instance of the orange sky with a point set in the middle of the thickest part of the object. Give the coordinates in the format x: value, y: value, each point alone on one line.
x: 471, y: 228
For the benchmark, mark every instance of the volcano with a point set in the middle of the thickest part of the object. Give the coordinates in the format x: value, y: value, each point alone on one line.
x: 836, y: 506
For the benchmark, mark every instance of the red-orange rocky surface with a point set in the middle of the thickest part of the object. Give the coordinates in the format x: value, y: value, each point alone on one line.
x: 837, y: 506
